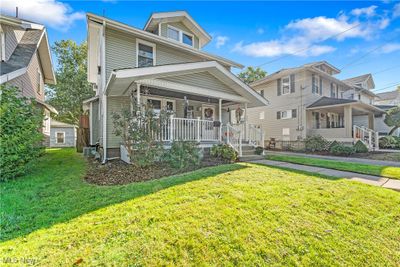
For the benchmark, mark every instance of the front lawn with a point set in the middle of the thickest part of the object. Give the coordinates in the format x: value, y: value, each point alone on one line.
x: 378, y: 170
x: 240, y: 214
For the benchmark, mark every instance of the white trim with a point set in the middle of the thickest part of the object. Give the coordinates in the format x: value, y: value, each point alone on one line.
x: 3, y: 44
x: 12, y: 75
x: 104, y: 96
x: 91, y: 123
x: 63, y: 133
x: 153, y: 45
x: 162, y: 40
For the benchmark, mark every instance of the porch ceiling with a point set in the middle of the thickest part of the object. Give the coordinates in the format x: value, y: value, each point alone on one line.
x: 358, y: 108
x: 121, y: 81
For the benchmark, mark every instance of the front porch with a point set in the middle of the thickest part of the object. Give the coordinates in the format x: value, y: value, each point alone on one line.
x: 202, y: 111
x: 337, y: 121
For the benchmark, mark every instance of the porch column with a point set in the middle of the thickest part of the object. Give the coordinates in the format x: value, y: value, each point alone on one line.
x: 371, y: 121
x: 348, y: 121
x: 220, y: 118
x: 245, y: 122
x: 138, y: 93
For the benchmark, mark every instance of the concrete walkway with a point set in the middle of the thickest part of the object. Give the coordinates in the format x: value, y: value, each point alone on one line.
x: 347, y: 159
x: 363, y: 178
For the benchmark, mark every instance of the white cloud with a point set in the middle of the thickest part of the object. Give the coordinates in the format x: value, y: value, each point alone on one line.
x: 367, y: 11
x: 390, y: 47
x: 52, y: 13
x: 396, y: 10
x: 221, y: 40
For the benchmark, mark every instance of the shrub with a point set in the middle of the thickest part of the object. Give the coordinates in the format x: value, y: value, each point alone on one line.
x: 389, y: 142
x: 360, y: 147
x: 183, y: 154
x: 341, y: 150
x: 259, y: 150
x: 224, y: 152
x: 316, y: 143
x: 20, y: 136
x: 334, y: 143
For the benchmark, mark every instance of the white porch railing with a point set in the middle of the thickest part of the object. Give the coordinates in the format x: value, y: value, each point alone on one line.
x: 255, y: 135
x: 233, y: 137
x: 189, y: 130
x: 368, y: 136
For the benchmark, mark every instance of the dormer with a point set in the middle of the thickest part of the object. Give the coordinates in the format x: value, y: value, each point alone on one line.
x: 326, y: 67
x: 179, y: 27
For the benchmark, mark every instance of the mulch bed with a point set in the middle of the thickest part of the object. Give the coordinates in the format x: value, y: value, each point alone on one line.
x: 117, y: 172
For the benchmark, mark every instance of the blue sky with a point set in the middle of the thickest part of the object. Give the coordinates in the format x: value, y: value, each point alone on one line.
x: 365, y: 35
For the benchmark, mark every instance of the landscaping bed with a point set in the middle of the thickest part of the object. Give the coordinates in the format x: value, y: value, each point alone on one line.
x: 117, y: 172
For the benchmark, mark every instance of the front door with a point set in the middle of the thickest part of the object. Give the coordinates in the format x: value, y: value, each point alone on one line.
x: 208, y: 127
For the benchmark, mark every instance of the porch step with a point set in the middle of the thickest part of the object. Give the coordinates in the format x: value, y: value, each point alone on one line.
x: 245, y: 158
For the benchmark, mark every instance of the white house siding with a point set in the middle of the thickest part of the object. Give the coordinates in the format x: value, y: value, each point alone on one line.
x: 114, y: 104
x: 181, y: 26
x: 94, y: 116
x: 121, y: 52
x: 69, y: 137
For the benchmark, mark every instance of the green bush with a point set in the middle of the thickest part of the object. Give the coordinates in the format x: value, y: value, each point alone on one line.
x: 183, y: 154
x: 334, y: 143
x: 341, y: 150
x: 316, y: 143
x: 259, y: 150
x: 360, y: 147
x: 224, y: 152
x: 20, y: 137
x: 389, y: 142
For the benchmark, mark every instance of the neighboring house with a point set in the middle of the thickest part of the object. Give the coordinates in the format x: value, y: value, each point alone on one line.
x: 164, y: 66
x: 62, y: 134
x: 388, y: 98
x: 309, y: 100
x: 26, y: 61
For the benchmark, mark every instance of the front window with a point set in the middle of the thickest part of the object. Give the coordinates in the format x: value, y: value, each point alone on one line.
x: 173, y: 34
x: 285, y: 85
x: 187, y: 39
x: 145, y: 55
x: 317, y: 88
x: 155, y: 105
x: 60, y: 137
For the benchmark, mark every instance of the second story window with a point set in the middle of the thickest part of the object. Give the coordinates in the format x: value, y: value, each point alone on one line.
x: 334, y: 90
x: 316, y: 84
x: 286, y: 85
x: 173, y: 33
x: 187, y: 39
x: 179, y: 35
x: 145, y: 54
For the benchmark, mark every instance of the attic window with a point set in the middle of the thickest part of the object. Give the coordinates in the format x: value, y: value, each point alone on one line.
x: 179, y: 35
x: 173, y: 34
x: 187, y: 39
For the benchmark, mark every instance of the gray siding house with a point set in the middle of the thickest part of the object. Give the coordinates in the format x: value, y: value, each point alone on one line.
x: 164, y: 66
x: 309, y: 100
x: 62, y: 134
x: 26, y: 62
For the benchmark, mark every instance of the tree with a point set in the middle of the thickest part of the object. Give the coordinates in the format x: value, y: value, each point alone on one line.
x: 72, y: 86
x: 251, y: 74
x: 20, y: 136
x: 392, y: 119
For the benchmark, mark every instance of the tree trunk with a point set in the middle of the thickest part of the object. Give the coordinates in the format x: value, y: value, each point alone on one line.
x: 393, y: 129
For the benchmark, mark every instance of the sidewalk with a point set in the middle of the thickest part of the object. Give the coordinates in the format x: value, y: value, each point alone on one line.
x: 347, y: 159
x: 363, y: 178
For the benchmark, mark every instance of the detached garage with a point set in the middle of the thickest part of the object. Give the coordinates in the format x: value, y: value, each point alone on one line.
x: 62, y: 134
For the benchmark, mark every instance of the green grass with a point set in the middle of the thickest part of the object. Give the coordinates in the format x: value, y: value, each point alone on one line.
x: 242, y: 214
x: 385, y: 171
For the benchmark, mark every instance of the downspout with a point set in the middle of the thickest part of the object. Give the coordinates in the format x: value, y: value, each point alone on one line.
x: 103, y: 85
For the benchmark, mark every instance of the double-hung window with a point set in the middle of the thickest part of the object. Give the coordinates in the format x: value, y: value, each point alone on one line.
x: 60, y: 137
x: 173, y: 33
x: 145, y: 54
x: 286, y: 85
x: 316, y: 85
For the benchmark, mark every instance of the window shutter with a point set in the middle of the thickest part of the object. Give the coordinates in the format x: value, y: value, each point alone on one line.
x: 313, y: 83
x: 320, y: 85
x: 292, y: 83
x: 279, y: 86
x: 294, y: 113
x: 278, y: 115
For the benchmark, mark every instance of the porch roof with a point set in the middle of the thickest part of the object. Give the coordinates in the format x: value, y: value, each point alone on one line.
x: 329, y: 102
x: 122, y: 80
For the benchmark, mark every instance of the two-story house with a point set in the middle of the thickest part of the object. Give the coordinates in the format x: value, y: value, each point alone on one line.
x: 26, y: 62
x: 309, y: 100
x: 164, y: 66
x: 386, y: 101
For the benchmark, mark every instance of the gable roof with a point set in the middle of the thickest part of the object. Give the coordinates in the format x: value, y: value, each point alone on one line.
x: 160, y: 39
x: 323, y: 62
x: 59, y: 124
x: 178, y: 16
x: 34, y: 40
x: 329, y: 101
x: 360, y: 79
x: 389, y: 95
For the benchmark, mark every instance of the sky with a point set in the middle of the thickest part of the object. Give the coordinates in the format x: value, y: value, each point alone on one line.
x: 357, y: 37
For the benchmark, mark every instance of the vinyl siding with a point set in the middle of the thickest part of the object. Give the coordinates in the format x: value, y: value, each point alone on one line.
x: 114, y: 104
x: 27, y: 82
x: 202, y: 79
x: 121, y: 52
x: 95, y: 122
x: 69, y: 137
x: 13, y: 36
x: 181, y: 26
